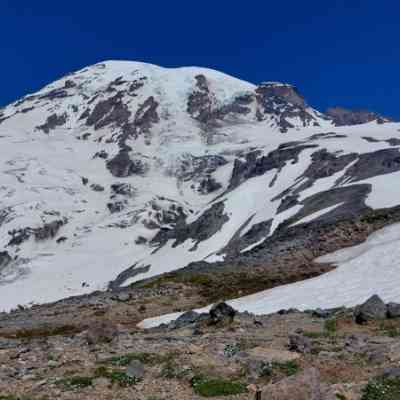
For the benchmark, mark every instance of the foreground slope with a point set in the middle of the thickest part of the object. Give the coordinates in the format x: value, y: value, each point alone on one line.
x: 123, y: 171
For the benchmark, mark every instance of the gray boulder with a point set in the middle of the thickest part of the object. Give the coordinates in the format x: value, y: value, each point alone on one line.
x: 373, y: 309
x: 393, y: 310
x: 135, y: 369
x: 187, y: 318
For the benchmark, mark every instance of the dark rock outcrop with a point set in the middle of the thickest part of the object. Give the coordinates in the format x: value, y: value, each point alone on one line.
x: 344, y: 117
x: 221, y: 313
x: 123, y: 189
x: 393, y: 310
x: 368, y: 165
x: 256, y: 164
x: 122, y: 166
x: 5, y: 260
x: 52, y: 122
x: 283, y: 102
x: 373, y: 309
x: 49, y: 230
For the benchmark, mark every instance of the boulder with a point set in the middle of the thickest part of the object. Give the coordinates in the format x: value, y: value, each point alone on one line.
x: 222, y: 312
x: 373, y: 309
x: 393, y: 310
x: 187, y: 318
x: 135, y: 369
x: 303, y: 386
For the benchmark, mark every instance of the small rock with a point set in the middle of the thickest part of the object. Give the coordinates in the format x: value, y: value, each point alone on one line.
x: 373, y: 309
x: 122, y: 297
x: 392, y: 372
x: 135, y: 369
x: 222, y: 312
x: 101, y: 332
x: 377, y: 357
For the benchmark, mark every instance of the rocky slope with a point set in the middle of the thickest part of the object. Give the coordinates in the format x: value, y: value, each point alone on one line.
x: 89, y: 347
x: 123, y: 171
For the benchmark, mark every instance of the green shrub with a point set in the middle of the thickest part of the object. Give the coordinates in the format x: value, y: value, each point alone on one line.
x: 330, y: 326
x: 211, y: 387
x: 382, y: 389
x: 145, y: 358
x: 171, y: 370
x: 44, y: 331
x: 314, y: 335
x: 116, y: 376
x: 76, y: 382
x: 289, y: 368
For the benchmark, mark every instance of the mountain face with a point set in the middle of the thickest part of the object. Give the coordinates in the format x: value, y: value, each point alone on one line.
x: 124, y: 170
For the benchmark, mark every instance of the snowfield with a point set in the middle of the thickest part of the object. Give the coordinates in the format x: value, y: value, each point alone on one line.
x: 362, y: 271
x: 154, y: 168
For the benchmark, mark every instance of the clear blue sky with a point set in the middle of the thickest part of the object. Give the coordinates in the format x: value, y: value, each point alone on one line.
x: 337, y: 52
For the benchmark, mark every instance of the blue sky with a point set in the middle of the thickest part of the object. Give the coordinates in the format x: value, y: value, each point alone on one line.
x: 337, y: 52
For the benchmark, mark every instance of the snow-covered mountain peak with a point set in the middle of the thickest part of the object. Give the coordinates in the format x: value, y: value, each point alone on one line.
x: 124, y: 170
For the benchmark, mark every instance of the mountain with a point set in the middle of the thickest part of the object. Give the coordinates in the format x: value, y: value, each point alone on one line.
x: 124, y: 171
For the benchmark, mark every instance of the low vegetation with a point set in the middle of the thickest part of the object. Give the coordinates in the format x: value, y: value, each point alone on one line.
x: 213, y: 386
x: 145, y: 358
x: 382, y: 389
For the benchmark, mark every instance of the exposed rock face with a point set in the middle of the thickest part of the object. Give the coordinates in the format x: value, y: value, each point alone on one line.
x: 342, y: 116
x: 122, y: 166
x: 282, y: 92
x: 283, y: 102
x: 110, y: 111
x: 210, y: 222
x: 200, y: 101
x: 256, y: 164
x: 372, y: 164
x: 44, y: 232
x: 123, y: 189
x: 373, y: 309
x: 209, y: 185
x: 5, y: 259
x: 48, y: 231
x: 52, y: 122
